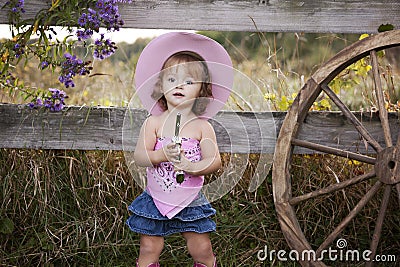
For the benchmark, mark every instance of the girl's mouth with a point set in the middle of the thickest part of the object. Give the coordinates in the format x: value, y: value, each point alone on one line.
x: 178, y: 94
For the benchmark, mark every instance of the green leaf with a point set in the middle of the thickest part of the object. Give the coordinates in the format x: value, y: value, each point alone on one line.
x: 6, y: 226
x: 43, y: 37
x: 385, y: 27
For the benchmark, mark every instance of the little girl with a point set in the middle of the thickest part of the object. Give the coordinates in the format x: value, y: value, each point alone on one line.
x: 183, y: 65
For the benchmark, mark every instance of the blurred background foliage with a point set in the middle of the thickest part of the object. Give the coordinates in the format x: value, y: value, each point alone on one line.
x: 279, y: 63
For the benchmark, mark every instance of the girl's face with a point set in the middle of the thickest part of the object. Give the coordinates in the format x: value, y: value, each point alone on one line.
x: 180, y: 85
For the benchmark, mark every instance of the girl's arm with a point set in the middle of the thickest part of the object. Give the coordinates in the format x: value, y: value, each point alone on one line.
x: 210, y: 158
x: 144, y: 154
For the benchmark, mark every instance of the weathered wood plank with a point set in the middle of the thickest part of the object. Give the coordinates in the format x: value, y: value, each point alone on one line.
x: 345, y: 16
x: 73, y: 128
x: 334, y: 130
x: 100, y: 128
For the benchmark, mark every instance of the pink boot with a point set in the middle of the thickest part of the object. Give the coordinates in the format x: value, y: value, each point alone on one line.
x: 150, y: 265
x: 198, y: 264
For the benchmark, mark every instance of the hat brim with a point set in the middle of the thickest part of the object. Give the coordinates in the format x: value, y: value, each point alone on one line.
x: 161, y: 48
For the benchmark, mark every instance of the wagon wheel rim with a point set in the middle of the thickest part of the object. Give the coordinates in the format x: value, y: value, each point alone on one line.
x: 386, y: 163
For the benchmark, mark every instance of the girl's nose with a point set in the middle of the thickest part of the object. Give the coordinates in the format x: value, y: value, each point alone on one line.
x: 179, y: 85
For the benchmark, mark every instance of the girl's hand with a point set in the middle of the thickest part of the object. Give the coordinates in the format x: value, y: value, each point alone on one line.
x: 183, y: 164
x: 172, y: 152
x: 176, y: 156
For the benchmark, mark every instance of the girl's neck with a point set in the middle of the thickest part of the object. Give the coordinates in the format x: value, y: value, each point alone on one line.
x: 169, y: 120
x: 185, y: 113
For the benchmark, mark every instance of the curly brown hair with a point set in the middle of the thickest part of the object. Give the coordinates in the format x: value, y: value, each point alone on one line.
x: 200, y: 70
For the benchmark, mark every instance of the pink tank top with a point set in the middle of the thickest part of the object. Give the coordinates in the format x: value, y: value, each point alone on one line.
x: 169, y: 196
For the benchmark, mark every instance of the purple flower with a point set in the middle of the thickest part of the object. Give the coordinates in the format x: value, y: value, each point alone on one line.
x: 84, y: 34
x: 62, y: 95
x: 57, y: 106
x: 54, y: 92
x: 83, y: 71
x: 106, y: 14
x: 57, y: 94
x: 82, y: 20
x: 70, y: 67
x: 18, y: 50
x: 47, y: 103
x: 44, y: 64
x: 103, y: 48
x: 90, y: 22
x: 39, y: 102
x: 100, y: 4
x: 16, y: 6
x: 54, y: 100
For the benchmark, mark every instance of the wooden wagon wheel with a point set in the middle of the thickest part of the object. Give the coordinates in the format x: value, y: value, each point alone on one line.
x: 384, y: 162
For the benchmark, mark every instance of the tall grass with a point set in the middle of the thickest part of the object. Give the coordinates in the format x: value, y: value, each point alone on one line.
x: 64, y: 206
x: 68, y: 208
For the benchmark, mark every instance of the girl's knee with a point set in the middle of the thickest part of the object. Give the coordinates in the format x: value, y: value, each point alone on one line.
x: 151, y: 244
x: 201, y: 249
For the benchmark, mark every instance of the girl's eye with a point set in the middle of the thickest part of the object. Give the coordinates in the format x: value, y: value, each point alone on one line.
x: 189, y: 82
x: 171, y: 79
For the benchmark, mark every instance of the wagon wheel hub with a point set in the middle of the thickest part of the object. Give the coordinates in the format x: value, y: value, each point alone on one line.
x: 387, y: 165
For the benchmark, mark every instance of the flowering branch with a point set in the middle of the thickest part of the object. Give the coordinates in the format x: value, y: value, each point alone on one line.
x: 88, y: 16
x: 52, y: 100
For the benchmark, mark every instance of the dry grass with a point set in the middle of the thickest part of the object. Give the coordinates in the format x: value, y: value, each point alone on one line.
x: 68, y: 208
x: 65, y: 206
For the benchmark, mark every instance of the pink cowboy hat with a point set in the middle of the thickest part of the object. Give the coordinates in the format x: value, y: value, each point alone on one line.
x: 161, y: 48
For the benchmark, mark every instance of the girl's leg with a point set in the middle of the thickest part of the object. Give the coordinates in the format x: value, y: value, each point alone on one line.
x: 200, y: 248
x: 150, y: 249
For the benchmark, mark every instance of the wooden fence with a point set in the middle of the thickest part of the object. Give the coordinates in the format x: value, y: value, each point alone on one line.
x: 100, y: 128
x: 345, y: 16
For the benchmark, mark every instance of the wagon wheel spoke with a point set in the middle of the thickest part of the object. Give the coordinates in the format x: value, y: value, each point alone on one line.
x: 360, y: 205
x: 352, y: 118
x: 332, y: 188
x: 334, y: 151
x: 383, y: 113
x: 398, y: 192
x: 398, y: 141
x: 379, y: 223
x: 398, y: 185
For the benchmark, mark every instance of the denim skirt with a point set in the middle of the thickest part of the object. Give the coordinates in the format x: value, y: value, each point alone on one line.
x: 146, y: 219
